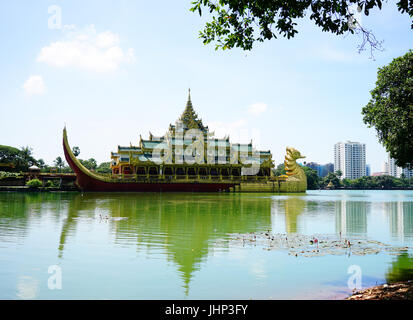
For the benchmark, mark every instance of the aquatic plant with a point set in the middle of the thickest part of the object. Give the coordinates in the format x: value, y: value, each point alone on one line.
x: 313, y: 245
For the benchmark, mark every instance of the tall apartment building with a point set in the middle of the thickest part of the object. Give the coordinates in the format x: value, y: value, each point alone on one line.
x: 385, y: 168
x: 392, y: 168
x: 396, y: 171
x: 350, y: 159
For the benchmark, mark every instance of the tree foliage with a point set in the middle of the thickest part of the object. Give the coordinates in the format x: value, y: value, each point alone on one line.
x: 390, y: 109
x: 34, y: 183
x: 367, y: 182
x: 280, y: 170
x: 332, y: 177
x: 104, y: 167
x: 90, y: 164
x: 240, y: 23
x: 76, y: 151
x: 59, y: 162
x: 312, y: 178
x: 20, y: 159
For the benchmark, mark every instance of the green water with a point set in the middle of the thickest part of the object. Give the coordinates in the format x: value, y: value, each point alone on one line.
x: 173, y: 246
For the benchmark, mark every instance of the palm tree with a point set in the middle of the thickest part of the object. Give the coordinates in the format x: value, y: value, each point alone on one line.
x: 59, y: 163
x: 76, y: 151
x: 26, y: 156
x: 339, y: 173
x: 41, y: 164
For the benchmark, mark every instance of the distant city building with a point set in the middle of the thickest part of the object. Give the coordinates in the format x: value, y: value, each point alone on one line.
x: 396, y: 171
x: 408, y: 173
x: 392, y: 168
x: 315, y: 166
x: 326, y: 169
x: 368, y: 170
x: 322, y: 169
x: 350, y: 159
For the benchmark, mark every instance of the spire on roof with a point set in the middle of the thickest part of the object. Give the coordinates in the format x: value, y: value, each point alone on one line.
x: 189, y: 107
x: 189, y: 116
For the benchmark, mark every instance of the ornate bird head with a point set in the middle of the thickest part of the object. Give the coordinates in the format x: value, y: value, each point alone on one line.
x: 294, y: 153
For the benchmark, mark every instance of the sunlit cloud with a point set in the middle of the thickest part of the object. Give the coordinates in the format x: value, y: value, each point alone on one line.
x: 257, y: 108
x: 34, y: 85
x: 232, y: 128
x: 87, y: 49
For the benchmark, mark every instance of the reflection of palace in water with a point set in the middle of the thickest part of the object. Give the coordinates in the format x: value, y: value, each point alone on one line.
x: 185, y: 226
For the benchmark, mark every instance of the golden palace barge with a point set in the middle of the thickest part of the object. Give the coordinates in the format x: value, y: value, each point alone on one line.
x: 189, y: 159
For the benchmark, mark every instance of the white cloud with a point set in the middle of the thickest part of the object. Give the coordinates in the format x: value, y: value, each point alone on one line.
x: 237, y: 130
x: 257, y: 108
x: 69, y: 27
x: 221, y: 128
x: 34, y: 85
x: 87, y: 49
x: 107, y: 39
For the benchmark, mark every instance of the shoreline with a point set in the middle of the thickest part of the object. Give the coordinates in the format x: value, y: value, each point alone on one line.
x: 393, y: 291
x: 40, y: 189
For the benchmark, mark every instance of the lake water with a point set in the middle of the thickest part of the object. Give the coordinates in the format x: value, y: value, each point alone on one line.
x: 175, y: 246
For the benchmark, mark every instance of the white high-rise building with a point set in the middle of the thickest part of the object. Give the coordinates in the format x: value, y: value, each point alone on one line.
x: 350, y: 159
x: 393, y: 169
x: 396, y: 171
x: 385, y: 168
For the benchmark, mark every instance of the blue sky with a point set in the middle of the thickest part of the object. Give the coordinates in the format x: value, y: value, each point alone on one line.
x: 117, y: 69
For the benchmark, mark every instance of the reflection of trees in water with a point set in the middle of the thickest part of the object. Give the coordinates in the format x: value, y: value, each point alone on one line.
x: 351, y: 217
x: 401, y: 269
x: 14, y: 216
x: 400, y: 218
x: 185, y: 225
x: 70, y: 222
x: 19, y: 210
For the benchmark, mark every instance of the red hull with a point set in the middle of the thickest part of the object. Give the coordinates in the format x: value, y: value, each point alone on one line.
x: 87, y: 182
